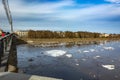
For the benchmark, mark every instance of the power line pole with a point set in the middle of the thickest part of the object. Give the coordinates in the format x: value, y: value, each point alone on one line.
x: 8, y: 13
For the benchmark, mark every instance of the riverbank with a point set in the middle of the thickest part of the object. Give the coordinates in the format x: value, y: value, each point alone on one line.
x: 66, y: 41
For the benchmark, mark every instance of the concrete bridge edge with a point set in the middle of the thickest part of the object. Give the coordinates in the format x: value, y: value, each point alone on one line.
x: 18, y: 76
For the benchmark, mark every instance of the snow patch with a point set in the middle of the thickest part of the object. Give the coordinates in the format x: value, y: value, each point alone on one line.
x: 69, y: 55
x: 109, y: 67
x: 55, y: 53
x: 108, y: 48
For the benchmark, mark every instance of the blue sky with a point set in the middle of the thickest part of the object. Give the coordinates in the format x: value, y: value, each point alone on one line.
x: 62, y: 15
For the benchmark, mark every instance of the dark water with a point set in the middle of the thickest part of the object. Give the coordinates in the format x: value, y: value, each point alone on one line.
x: 86, y: 62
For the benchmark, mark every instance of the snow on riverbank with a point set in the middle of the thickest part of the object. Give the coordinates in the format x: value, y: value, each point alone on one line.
x: 55, y: 53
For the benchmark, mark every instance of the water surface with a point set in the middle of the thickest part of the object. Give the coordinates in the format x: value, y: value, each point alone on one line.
x: 83, y: 63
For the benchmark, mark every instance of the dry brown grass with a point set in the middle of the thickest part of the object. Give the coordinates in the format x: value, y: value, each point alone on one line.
x: 67, y: 40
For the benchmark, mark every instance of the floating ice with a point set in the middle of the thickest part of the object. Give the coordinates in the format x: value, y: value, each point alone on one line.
x: 109, y: 67
x: 92, y: 50
x: 55, y: 53
x: 112, y: 60
x: 85, y: 51
x: 69, y: 55
x: 108, y: 48
x: 101, y: 44
x: 77, y: 64
x: 96, y: 57
x: 83, y: 59
x: 79, y: 51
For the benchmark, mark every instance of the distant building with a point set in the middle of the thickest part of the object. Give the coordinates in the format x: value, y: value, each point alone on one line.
x: 104, y: 35
x: 22, y: 33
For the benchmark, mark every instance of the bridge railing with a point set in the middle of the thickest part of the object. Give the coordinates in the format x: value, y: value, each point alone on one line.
x: 5, y: 45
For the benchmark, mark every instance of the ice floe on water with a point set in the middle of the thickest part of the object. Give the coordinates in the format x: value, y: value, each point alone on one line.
x: 108, y: 48
x: 86, y: 51
x: 77, y: 64
x: 109, y: 67
x: 92, y: 50
x: 69, y: 55
x: 55, y: 53
x: 96, y: 57
x: 83, y: 59
x: 79, y: 51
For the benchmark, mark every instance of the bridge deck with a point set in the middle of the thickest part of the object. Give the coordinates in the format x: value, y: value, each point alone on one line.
x: 17, y: 76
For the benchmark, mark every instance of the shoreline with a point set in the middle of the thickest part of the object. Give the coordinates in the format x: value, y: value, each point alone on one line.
x: 66, y: 41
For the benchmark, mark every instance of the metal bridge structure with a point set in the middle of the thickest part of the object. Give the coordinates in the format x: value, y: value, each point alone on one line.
x: 8, y: 54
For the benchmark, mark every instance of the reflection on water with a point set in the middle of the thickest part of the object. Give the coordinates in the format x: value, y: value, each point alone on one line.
x: 87, y: 62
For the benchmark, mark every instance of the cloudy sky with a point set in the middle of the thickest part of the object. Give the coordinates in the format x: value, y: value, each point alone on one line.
x: 61, y: 15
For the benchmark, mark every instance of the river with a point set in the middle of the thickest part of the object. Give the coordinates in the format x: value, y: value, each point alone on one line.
x: 87, y: 62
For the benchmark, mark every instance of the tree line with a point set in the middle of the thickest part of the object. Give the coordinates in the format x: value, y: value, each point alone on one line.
x: 61, y: 34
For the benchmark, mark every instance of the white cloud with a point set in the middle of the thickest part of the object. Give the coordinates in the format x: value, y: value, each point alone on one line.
x: 56, y: 11
x: 21, y: 9
x: 39, y: 8
x: 90, y: 13
x: 113, y: 1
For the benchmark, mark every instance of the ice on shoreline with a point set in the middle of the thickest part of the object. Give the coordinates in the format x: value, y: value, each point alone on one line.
x: 55, y: 53
x: 109, y: 67
x: 29, y: 41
